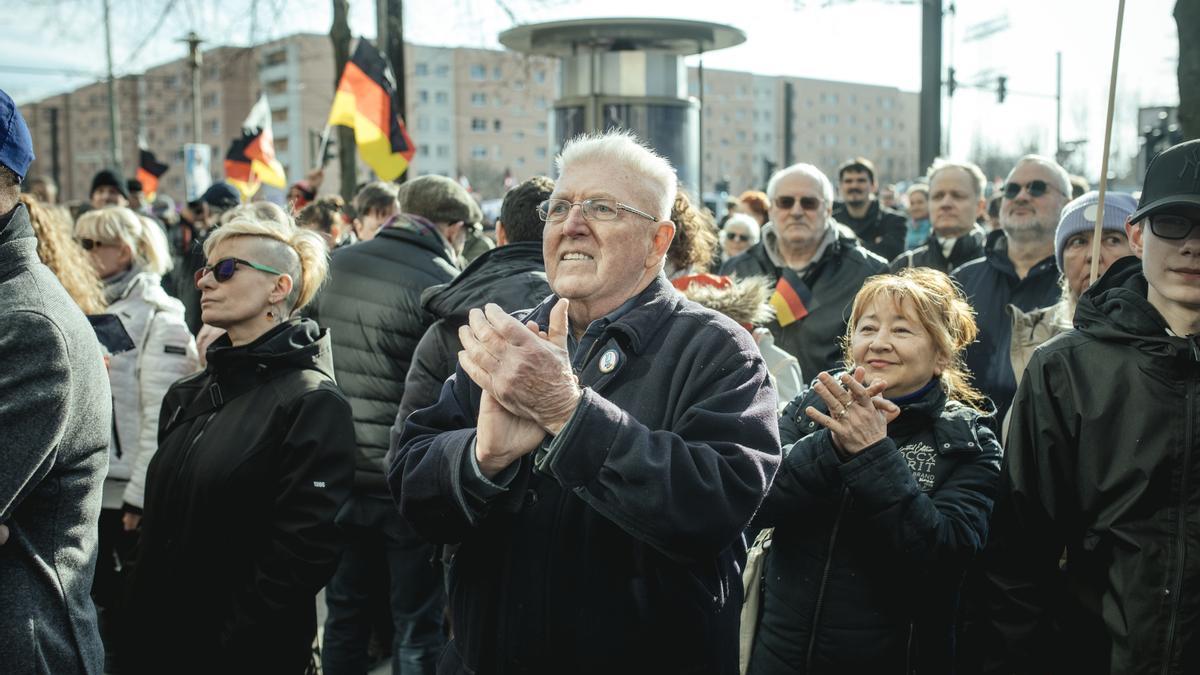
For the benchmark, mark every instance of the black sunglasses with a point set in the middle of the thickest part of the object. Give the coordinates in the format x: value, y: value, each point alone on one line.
x: 89, y: 244
x: 1036, y: 188
x: 807, y: 203
x: 223, y: 269
x: 734, y: 236
x: 1170, y: 226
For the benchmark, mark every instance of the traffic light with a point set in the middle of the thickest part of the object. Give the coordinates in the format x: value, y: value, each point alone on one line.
x: 1001, y: 88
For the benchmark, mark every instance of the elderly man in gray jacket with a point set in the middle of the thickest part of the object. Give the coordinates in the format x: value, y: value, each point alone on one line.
x: 55, y: 416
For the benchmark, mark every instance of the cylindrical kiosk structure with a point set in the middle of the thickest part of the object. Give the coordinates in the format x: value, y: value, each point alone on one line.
x: 628, y: 74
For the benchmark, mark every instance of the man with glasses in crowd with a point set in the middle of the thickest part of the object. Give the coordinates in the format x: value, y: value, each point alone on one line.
x: 1101, y: 461
x: 880, y: 229
x: 1018, y: 267
x: 597, y: 457
x: 816, y: 264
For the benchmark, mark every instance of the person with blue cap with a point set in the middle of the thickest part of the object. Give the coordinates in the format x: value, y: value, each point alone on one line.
x: 56, y: 414
x: 1103, y: 461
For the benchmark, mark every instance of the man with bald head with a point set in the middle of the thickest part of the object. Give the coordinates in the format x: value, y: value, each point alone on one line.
x: 1018, y: 267
x: 595, y: 458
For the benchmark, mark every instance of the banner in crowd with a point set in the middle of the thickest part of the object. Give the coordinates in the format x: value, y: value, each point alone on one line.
x: 197, y: 176
x: 366, y: 102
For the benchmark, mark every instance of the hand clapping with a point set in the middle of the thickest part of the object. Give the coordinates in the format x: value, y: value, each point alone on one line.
x: 858, y: 415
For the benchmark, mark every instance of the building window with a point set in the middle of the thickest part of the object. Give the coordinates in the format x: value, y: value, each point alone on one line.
x: 211, y: 100
x: 422, y: 96
x: 518, y: 109
x: 441, y: 98
x: 887, y: 123
x: 275, y: 58
x: 539, y: 76
x: 495, y: 152
x: 443, y: 124
x: 496, y: 125
x: 421, y: 69
x: 540, y: 153
x: 422, y: 123
x: 886, y: 104
x: 478, y: 99
x: 497, y: 74
x: 214, y: 127
x: 478, y: 72
x: 441, y: 70
x: 443, y: 151
x: 478, y: 124
x: 281, y: 146
x: 478, y: 152
x: 279, y: 116
x: 277, y: 87
x: 423, y: 150
x: 541, y: 127
x: 518, y: 85
x: 519, y: 136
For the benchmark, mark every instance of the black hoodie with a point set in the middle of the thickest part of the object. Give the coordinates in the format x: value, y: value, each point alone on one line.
x: 256, y: 455
x: 1103, y: 460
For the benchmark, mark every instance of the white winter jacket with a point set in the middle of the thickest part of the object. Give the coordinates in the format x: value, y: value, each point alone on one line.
x: 139, y: 378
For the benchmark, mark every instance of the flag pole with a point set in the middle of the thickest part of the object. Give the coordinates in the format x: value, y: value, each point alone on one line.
x: 324, y: 144
x: 1108, y: 123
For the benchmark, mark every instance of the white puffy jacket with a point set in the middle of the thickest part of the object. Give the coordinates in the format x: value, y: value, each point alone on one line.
x: 139, y: 378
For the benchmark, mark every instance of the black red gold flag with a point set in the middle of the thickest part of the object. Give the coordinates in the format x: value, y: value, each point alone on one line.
x: 366, y: 102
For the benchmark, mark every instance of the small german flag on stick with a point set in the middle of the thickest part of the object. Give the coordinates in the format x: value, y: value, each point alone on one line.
x: 366, y: 102
x: 791, y: 298
x: 149, y: 171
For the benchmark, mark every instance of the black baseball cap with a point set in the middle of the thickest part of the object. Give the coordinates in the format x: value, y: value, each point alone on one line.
x: 1172, y: 181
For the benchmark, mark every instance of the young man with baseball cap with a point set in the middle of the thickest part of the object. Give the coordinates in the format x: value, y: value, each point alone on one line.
x: 1103, y: 460
x: 55, y: 417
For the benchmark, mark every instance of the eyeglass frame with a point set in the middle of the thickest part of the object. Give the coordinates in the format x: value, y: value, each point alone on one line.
x: 211, y: 269
x: 1191, y: 221
x: 817, y: 201
x: 1028, y: 187
x: 543, y: 209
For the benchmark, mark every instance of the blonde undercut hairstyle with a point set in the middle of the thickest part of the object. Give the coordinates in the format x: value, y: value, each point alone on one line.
x: 144, y: 237
x: 299, y: 253
x: 622, y: 148
x: 944, y: 314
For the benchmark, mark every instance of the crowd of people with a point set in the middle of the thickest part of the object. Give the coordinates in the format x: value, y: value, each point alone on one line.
x: 610, y: 434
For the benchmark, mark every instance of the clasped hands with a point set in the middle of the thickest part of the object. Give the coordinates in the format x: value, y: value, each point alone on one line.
x: 858, y: 413
x: 529, y: 388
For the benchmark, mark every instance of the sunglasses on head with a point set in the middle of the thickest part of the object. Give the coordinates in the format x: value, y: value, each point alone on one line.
x: 737, y: 236
x: 89, y: 244
x: 807, y: 203
x: 223, y: 269
x: 1036, y: 188
x: 1171, y: 226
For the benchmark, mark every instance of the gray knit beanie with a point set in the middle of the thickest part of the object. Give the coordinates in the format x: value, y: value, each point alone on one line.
x: 1080, y: 216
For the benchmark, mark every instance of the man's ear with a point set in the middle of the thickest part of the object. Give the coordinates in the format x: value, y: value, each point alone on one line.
x: 501, y: 235
x: 1135, y: 232
x: 664, y: 234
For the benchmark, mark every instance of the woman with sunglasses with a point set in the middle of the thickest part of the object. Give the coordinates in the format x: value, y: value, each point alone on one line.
x: 884, y: 493
x: 256, y: 455
x: 130, y: 255
x: 738, y: 235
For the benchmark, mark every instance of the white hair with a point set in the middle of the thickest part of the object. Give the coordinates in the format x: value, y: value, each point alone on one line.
x: 619, y: 147
x: 1063, y: 178
x: 978, y: 180
x: 747, y: 222
x: 144, y: 237
x: 802, y: 169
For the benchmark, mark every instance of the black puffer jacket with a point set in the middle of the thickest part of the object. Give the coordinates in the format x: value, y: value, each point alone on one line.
x: 966, y: 248
x: 372, y: 308
x: 863, y: 571
x: 1104, y: 460
x: 256, y: 455
x: 512, y: 276
x: 882, y: 231
x: 815, y: 340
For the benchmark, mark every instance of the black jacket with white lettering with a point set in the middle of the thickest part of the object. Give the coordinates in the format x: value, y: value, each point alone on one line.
x: 863, y: 571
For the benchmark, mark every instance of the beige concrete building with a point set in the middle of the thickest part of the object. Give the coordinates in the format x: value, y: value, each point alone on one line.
x: 483, y: 115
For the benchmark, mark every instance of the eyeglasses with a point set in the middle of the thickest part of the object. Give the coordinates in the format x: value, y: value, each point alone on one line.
x: 807, y: 203
x: 223, y: 269
x: 1036, y: 189
x: 554, y: 210
x: 89, y: 244
x: 1170, y: 226
x: 735, y: 236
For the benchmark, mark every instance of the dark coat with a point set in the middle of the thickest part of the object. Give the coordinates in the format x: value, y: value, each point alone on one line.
x: 966, y: 248
x: 991, y: 284
x: 372, y: 308
x: 256, y: 455
x: 863, y: 571
x: 55, y: 417
x: 512, y: 276
x: 882, y: 231
x: 1103, y: 459
x: 815, y: 340
x: 617, y: 551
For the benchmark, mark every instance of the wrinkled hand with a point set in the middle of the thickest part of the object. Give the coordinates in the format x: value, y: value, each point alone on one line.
x: 130, y: 521
x: 501, y: 437
x: 859, y: 415
x: 528, y: 374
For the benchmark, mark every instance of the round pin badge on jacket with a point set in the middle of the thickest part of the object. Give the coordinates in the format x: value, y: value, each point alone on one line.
x: 608, y: 361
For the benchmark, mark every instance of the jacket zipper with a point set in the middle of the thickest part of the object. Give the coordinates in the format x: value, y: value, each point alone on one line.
x: 812, y: 636
x: 1181, y: 534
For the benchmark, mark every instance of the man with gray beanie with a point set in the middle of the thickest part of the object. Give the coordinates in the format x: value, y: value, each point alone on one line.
x: 372, y: 307
x: 55, y: 416
x: 1100, y: 461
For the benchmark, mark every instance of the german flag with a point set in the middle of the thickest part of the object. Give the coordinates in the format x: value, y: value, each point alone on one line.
x: 149, y: 171
x: 251, y: 158
x: 791, y: 298
x: 366, y: 102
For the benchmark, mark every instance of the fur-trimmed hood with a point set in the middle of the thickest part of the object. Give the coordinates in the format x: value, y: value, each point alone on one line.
x: 742, y: 299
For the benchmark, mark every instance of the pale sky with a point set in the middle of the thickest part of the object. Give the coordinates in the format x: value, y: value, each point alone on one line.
x: 869, y: 41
